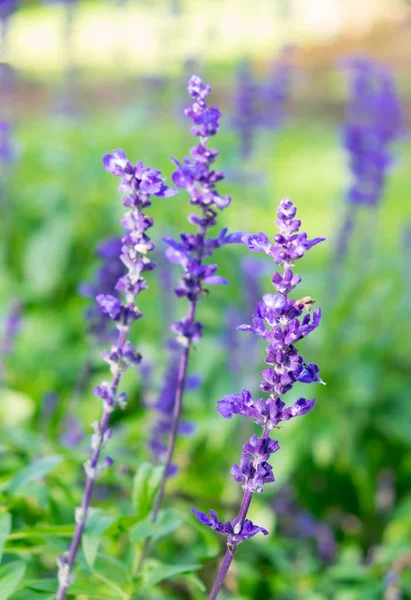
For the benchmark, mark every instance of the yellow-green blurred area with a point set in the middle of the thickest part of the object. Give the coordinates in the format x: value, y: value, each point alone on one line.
x: 80, y: 79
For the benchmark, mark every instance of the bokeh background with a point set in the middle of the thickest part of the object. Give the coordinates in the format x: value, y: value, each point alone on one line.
x: 78, y: 79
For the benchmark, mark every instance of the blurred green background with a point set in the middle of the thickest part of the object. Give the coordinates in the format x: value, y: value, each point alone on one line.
x: 81, y: 80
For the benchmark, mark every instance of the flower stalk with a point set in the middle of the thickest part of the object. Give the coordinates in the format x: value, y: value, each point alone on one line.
x: 279, y: 321
x: 138, y: 183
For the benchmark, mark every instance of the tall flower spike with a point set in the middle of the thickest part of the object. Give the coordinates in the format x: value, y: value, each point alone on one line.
x: 246, y: 119
x: 279, y: 320
x: 373, y: 122
x: 138, y: 183
x: 195, y: 174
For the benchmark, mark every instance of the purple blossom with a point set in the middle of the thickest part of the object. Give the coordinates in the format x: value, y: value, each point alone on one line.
x: 137, y: 183
x: 196, y: 176
x: 247, y: 116
x: 275, y: 90
x: 104, y: 282
x: 234, y: 537
x: 279, y: 320
x: 373, y: 122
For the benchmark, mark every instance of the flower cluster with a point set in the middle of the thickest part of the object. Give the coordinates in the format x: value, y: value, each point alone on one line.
x: 137, y: 184
x: 279, y: 320
x: 275, y: 90
x: 196, y: 175
x: 104, y: 281
x: 373, y: 122
x: 247, y: 116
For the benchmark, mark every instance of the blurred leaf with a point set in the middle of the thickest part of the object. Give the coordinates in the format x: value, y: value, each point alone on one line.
x: 15, y: 407
x: 10, y: 577
x: 145, y: 486
x: 34, y: 471
x: 46, y: 255
x: 43, y: 530
x: 97, y: 523
x: 5, y: 527
x: 154, y: 574
x: 166, y: 523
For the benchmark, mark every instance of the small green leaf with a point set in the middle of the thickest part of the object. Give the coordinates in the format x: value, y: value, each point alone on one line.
x: 5, y: 527
x: 97, y: 523
x: 145, y: 486
x: 34, y: 471
x: 166, y: 523
x: 43, y: 531
x: 159, y: 572
x: 10, y: 577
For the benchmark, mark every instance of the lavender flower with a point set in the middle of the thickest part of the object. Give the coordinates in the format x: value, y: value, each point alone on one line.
x: 246, y: 118
x: 138, y: 183
x: 279, y: 321
x: 197, y: 177
x: 7, y: 8
x: 373, y: 122
x: 104, y: 281
x: 275, y: 91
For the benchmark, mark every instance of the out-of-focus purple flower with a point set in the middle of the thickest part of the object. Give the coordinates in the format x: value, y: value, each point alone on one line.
x: 279, y: 320
x: 104, y: 282
x: 275, y: 90
x: 73, y: 433
x: 6, y: 146
x: 11, y: 329
x: 298, y: 523
x: 164, y: 406
x: 247, y: 117
x: 373, y: 121
x: 7, y: 8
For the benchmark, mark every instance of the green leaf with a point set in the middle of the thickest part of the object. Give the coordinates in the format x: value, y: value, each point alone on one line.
x: 145, y: 486
x: 166, y: 523
x: 159, y: 572
x: 97, y: 523
x: 10, y: 577
x: 34, y: 471
x: 43, y: 269
x: 43, y: 531
x: 5, y: 527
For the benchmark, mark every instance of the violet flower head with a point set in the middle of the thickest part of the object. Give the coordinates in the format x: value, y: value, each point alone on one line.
x: 246, y: 117
x: 196, y: 175
x: 275, y: 91
x: 137, y: 184
x: 373, y: 122
x: 104, y: 281
x: 280, y: 320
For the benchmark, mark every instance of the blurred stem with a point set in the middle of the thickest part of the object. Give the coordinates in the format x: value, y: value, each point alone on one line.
x: 231, y: 548
x: 177, y: 409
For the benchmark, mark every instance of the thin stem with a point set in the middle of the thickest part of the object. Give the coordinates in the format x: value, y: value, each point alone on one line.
x: 89, y: 486
x: 231, y: 548
x: 177, y: 409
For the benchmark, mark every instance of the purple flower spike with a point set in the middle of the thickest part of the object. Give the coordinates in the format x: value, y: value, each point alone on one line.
x: 280, y: 321
x: 191, y: 250
x: 138, y: 183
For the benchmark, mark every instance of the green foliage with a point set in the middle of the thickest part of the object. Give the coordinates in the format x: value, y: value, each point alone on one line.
x: 348, y: 461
